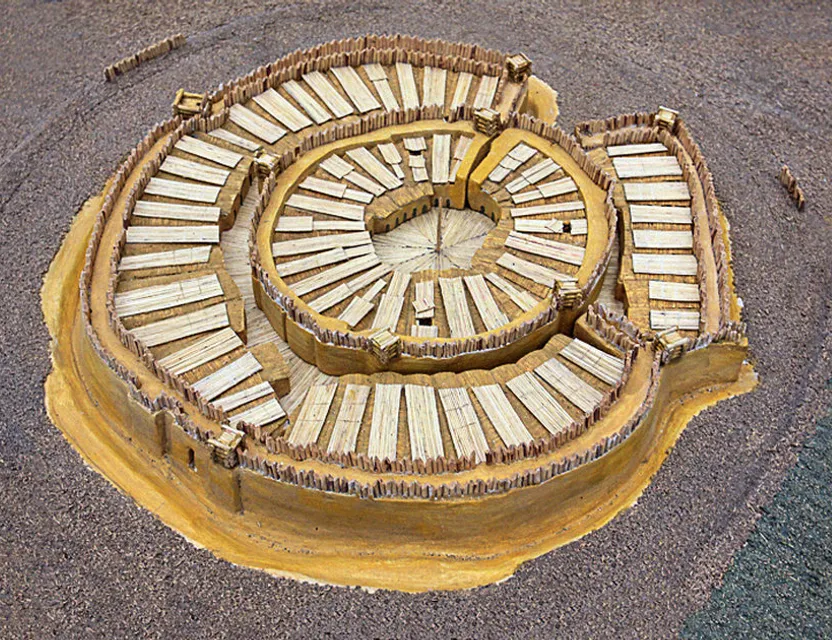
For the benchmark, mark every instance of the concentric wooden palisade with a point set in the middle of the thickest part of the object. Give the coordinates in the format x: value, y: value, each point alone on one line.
x: 367, y: 293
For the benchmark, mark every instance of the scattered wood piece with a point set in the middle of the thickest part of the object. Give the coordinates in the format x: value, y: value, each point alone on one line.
x: 788, y: 180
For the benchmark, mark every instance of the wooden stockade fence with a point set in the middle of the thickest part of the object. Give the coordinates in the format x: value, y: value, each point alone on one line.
x: 371, y: 49
x: 148, y: 53
x: 390, y: 488
x: 617, y: 329
x: 283, y: 296
x: 641, y: 128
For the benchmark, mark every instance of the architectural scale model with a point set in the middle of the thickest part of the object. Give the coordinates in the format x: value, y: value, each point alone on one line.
x: 368, y: 316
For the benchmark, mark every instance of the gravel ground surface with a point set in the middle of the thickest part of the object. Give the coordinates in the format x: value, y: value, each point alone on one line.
x: 780, y: 584
x: 78, y: 559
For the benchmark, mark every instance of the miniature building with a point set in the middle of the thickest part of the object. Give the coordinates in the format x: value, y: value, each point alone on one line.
x: 487, y: 121
x: 360, y: 351
x: 666, y: 118
x: 671, y: 342
x: 225, y: 447
x: 188, y: 104
x: 519, y: 67
x: 568, y: 293
x: 266, y: 164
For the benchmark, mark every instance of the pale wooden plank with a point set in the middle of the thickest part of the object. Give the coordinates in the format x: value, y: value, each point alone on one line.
x: 362, y: 196
x: 182, y: 190
x: 423, y: 422
x: 374, y: 290
x: 647, y: 167
x: 370, y: 277
x: 295, y: 224
x: 558, y: 188
x: 167, y: 296
x: 203, y: 350
x: 635, y: 149
x: 415, y: 144
x: 237, y: 141
x: 456, y: 308
x: 355, y: 88
x: 662, y: 264
x: 600, y: 364
x: 191, y: 170
x: 385, y: 92
x: 656, y: 239
x: 307, y: 102
x: 330, y: 298
x: 407, y: 85
x: 312, y: 415
x: 531, y: 270
x: 557, y: 207
x: 328, y: 94
x: 508, y: 425
x: 363, y: 182
x: 168, y: 211
x: 375, y: 71
x: 238, y: 399
x: 551, y: 225
x: 209, y: 151
x: 424, y: 298
x: 336, y: 166
x: 326, y: 207
x: 223, y: 379
x: 540, y: 403
x: 320, y: 243
x: 424, y: 331
x: 182, y: 326
x: 350, y: 417
x: 256, y: 125
x: 313, y: 261
x: 578, y: 227
x: 682, y: 318
x: 334, y: 274
x: 261, y: 415
x: 434, y: 80
x: 389, y: 311
x: 384, y: 428
x: 654, y: 214
x: 441, y: 158
x: 390, y: 153
x: 656, y: 191
x: 673, y: 291
x: 580, y: 393
x: 338, y: 225
x: 463, y: 86
x: 174, y: 235
x: 487, y: 307
x: 282, y: 110
x: 486, y: 91
x: 466, y: 431
x: 175, y: 258
x: 399, y: 283
x: 326, y: 187
x: 372, y: 165
x: 355, y: 311
x: 569, y: 253
x: 522, y: 298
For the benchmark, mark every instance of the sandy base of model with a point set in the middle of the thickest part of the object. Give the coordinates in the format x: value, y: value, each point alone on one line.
x: 384, y: 542
x: 344, y: 540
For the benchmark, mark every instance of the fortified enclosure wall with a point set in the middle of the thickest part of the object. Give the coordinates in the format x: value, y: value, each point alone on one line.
x: 612, y: 329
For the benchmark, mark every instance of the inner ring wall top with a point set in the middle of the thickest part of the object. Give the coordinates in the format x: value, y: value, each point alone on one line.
x: 482, y: 158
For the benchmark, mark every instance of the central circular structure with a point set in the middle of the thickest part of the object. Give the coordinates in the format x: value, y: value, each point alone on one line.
x: 350, y: 304
x: 439, y: 240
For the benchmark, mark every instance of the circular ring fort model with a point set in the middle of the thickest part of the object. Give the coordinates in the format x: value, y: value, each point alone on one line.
x: 368, y: 316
